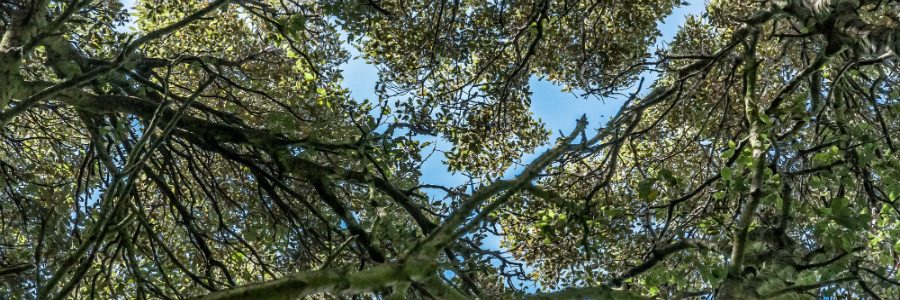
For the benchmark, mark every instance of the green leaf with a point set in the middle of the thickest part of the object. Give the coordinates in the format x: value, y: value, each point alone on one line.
x: 668, y: 176
x: 653, y: 291
x: 653, y: 195
x: 719, y: 195
x: 726, y: 174
x: 807, y: 278
x: 839, y: 206
x: 765, y: 119
x: 645, y: 188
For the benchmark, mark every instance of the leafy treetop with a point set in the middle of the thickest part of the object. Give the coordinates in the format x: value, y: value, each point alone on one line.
x: 212, y: 152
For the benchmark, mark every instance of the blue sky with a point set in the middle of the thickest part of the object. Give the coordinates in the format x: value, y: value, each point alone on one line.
x: 558, y: 110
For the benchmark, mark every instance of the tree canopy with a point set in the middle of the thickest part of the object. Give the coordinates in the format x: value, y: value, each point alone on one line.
x: 211, y: 151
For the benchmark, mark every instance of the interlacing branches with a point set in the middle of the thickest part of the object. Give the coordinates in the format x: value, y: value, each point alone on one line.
x: 211, y: 152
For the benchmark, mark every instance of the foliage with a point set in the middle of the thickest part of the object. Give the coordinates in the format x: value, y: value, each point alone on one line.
x: 211, y: 151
